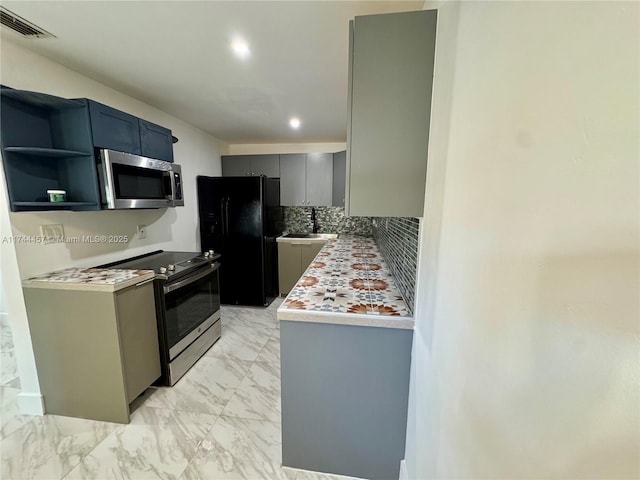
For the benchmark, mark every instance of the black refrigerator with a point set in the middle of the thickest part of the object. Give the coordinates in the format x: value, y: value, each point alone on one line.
x: 240, y: 218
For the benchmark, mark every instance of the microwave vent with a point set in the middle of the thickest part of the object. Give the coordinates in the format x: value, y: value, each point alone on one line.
x: 20, y: 25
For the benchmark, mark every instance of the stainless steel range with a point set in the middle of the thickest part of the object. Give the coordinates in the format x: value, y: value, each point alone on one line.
x: 187, y: 294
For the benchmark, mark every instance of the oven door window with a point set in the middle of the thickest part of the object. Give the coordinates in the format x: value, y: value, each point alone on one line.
x: 139, y: 183
x: 189, y: 306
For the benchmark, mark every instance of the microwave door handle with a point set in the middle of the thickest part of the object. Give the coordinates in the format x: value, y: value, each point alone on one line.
x: 172, y: 196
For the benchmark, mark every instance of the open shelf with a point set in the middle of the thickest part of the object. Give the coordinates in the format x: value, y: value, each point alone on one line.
x: 46, y: 143
x: 51, y: 205
x: 46, y: 152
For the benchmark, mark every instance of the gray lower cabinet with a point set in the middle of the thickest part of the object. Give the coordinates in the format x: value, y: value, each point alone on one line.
x: 390, y: 82
x: 251, y: 165
x: 344, y: 398
x: 339, y: 175
x: 95, y: 351
x: 306, y: 179
x: 293, y: 259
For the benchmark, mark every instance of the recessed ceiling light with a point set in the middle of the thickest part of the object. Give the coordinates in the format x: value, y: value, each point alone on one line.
x: 294, y: 123
x: 240, y: 48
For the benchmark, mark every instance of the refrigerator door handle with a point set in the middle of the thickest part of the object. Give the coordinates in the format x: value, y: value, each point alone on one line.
x: 226, y: 215
x: 224, y: 228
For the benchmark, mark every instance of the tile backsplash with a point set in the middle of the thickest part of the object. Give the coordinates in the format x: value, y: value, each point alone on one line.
x: 398, y: 239
x: 330, y: 220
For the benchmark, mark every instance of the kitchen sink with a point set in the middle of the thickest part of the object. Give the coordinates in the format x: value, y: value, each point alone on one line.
x: 323, y: 236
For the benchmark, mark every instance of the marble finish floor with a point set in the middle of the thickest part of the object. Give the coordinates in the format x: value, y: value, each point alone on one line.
x: 220, y: 421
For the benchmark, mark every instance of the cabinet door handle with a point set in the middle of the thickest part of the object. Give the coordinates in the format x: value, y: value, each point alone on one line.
x: 301, y: 243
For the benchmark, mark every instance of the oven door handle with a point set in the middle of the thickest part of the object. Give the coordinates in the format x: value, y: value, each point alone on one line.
x: 193, y: 278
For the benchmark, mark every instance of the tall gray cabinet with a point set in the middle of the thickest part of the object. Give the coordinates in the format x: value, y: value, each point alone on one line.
x: 390, y: 81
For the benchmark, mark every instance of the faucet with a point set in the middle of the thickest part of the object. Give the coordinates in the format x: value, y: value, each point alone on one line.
x: 314, y: 220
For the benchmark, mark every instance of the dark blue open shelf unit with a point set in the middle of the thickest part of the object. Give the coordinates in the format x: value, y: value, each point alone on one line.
x: 46, y: 144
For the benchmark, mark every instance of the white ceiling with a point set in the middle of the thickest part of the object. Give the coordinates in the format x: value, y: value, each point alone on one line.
x: 175, y: 55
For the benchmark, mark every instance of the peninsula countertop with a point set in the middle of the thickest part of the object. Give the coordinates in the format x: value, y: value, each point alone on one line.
x: 348, y: 283
x: 89, y: 279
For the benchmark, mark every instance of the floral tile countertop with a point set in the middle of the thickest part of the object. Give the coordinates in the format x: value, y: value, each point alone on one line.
x: 348, y: 283
x: 96, y: 279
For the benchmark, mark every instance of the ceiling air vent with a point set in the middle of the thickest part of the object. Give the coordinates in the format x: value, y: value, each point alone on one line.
x: 20, y: 25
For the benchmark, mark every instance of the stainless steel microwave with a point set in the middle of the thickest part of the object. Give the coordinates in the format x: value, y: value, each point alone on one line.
x: 132, y: 181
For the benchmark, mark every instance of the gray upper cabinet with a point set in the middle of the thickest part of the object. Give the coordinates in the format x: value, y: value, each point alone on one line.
x: 236, y: 165
x: 339, y: 171
x: 268, y: 165
x: 293, y: 180
x: 319, y: 179
x: 390, y: 81
x: 253, y: 165
x: 306, y: 179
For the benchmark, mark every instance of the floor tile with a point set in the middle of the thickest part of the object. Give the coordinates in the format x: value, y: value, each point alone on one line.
x: 157, y: 444
x: 276, y: 333
x: 206, y: 388
x: 258, y: 396
x: 238, y: 448
x: 257, y: 316
x: 271, y: 351
x: 6, y: 339
x: 15, y: 383
x: 10, y: 417
x: 8, y: 366
x: 240, y: 341
x: 49, y: 447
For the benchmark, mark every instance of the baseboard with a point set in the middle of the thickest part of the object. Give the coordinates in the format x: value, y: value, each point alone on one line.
x: 403, y: 471
x: 31, y: 404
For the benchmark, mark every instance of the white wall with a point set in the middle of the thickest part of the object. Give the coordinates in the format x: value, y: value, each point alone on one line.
x: 260, y: 148
x: 525, y: 360
x: 170, y: 229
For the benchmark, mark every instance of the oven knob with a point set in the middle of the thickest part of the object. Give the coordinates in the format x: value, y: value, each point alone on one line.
x: 206, y: 254
x: 171, y: 267
x: 163, y: 269
x: 211, y: 252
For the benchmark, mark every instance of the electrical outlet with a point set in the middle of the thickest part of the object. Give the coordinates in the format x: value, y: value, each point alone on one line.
x: 52, y: 233
x: 142, y: 232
